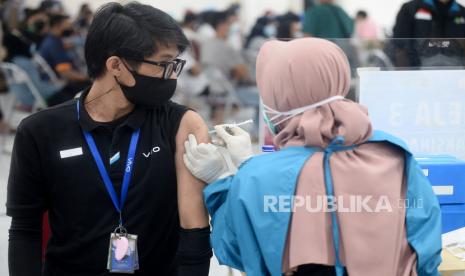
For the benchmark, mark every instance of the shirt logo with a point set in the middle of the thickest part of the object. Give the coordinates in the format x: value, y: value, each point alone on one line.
x: 459, y: 20
x: 70, y: 153
x: 129, y: 165
x: 154, y: 150
x: 115, y: 158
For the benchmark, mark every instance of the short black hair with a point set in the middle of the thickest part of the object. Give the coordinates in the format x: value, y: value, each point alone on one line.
x: 362, y: 14
x: 28, y: 13
x: 47, y: 5
x: 219, y: 18
x: 190, y: 17
x: 207, y: 17
x: 132, y: 32
x: 285, y: 21
x: 56, y: 19
x: 234, y: 9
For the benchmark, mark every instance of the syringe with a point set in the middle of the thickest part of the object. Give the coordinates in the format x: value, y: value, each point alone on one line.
x: 250, y: 121
x: 217, y: 140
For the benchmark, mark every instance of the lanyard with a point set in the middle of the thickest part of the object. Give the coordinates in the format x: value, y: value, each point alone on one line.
x: 104, y: 174
x: 335, y: 146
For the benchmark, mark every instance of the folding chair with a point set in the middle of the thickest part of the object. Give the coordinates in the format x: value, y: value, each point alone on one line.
x: 16, y: 76
x: 7, y: 103
x: 43, y: 65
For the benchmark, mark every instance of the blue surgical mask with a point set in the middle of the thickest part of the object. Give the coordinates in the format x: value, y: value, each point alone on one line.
x: 234, y: 29
x: 270, y: 30
x: 298, y: 34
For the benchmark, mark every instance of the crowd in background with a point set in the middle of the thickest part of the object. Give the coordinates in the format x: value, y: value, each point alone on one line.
x: 47, y: 44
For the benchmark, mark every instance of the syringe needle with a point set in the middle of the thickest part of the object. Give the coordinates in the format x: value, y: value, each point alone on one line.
x: 233, y: 125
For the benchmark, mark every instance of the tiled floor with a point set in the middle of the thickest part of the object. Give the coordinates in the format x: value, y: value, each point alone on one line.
x: 215, y: 270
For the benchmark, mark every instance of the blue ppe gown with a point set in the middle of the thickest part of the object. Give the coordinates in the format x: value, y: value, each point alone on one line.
x: 249, y: 238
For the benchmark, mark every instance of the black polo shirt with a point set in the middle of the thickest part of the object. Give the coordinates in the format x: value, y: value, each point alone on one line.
x: 427, y: 19
x: 52, y: 169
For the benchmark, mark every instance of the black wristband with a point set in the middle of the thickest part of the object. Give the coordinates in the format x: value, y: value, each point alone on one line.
x: 194, y: 252
x: 194, y: 245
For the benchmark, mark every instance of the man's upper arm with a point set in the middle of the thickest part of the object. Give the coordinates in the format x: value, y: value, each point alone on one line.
x: 192, y: 210
x: 403, y: 27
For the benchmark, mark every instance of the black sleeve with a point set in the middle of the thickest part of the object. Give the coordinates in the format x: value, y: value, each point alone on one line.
x: 26, y: 191
x: 26, y: 202
x: 194, y: 252
x: 25, y: 246
x: 404, y: 25
x: 404, y: 28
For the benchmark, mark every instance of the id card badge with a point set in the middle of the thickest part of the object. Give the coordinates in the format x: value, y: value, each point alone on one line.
x: 122, y: 254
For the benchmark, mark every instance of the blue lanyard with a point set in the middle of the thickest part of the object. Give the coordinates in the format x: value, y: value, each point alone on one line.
x: 104, y: 174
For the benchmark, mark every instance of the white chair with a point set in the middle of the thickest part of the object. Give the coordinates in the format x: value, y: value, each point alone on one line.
x: 7, y: 103
x: 43, y: 65
x: 377, y: 58
x: 16, y: 76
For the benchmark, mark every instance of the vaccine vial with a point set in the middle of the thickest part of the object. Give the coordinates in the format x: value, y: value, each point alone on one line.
x: 268, y: 148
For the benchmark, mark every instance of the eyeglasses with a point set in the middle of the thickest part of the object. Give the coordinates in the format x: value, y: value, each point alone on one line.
x: 169, y: 67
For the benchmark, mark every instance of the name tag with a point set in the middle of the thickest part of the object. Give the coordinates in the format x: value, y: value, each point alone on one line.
x: 70, y: 153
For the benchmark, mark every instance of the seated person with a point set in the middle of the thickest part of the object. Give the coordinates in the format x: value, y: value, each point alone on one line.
x: 219, y: 54
x: 20, y: 44
x: 265, y: 28
x: 193, y: 82
x: 54, y: 52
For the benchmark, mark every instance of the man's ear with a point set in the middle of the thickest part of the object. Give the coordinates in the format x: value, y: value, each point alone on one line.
x: 114, y: 65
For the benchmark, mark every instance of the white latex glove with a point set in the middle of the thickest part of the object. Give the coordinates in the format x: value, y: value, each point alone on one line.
x: 239, y: 144
x: 204, y: 161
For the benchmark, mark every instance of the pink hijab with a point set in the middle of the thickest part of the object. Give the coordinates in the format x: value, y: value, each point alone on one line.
x: 305, y: 71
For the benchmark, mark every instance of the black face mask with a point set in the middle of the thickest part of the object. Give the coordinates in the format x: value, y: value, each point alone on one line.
x: 67, y: 33
x: 38, y: 26
x: 149, y: 91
